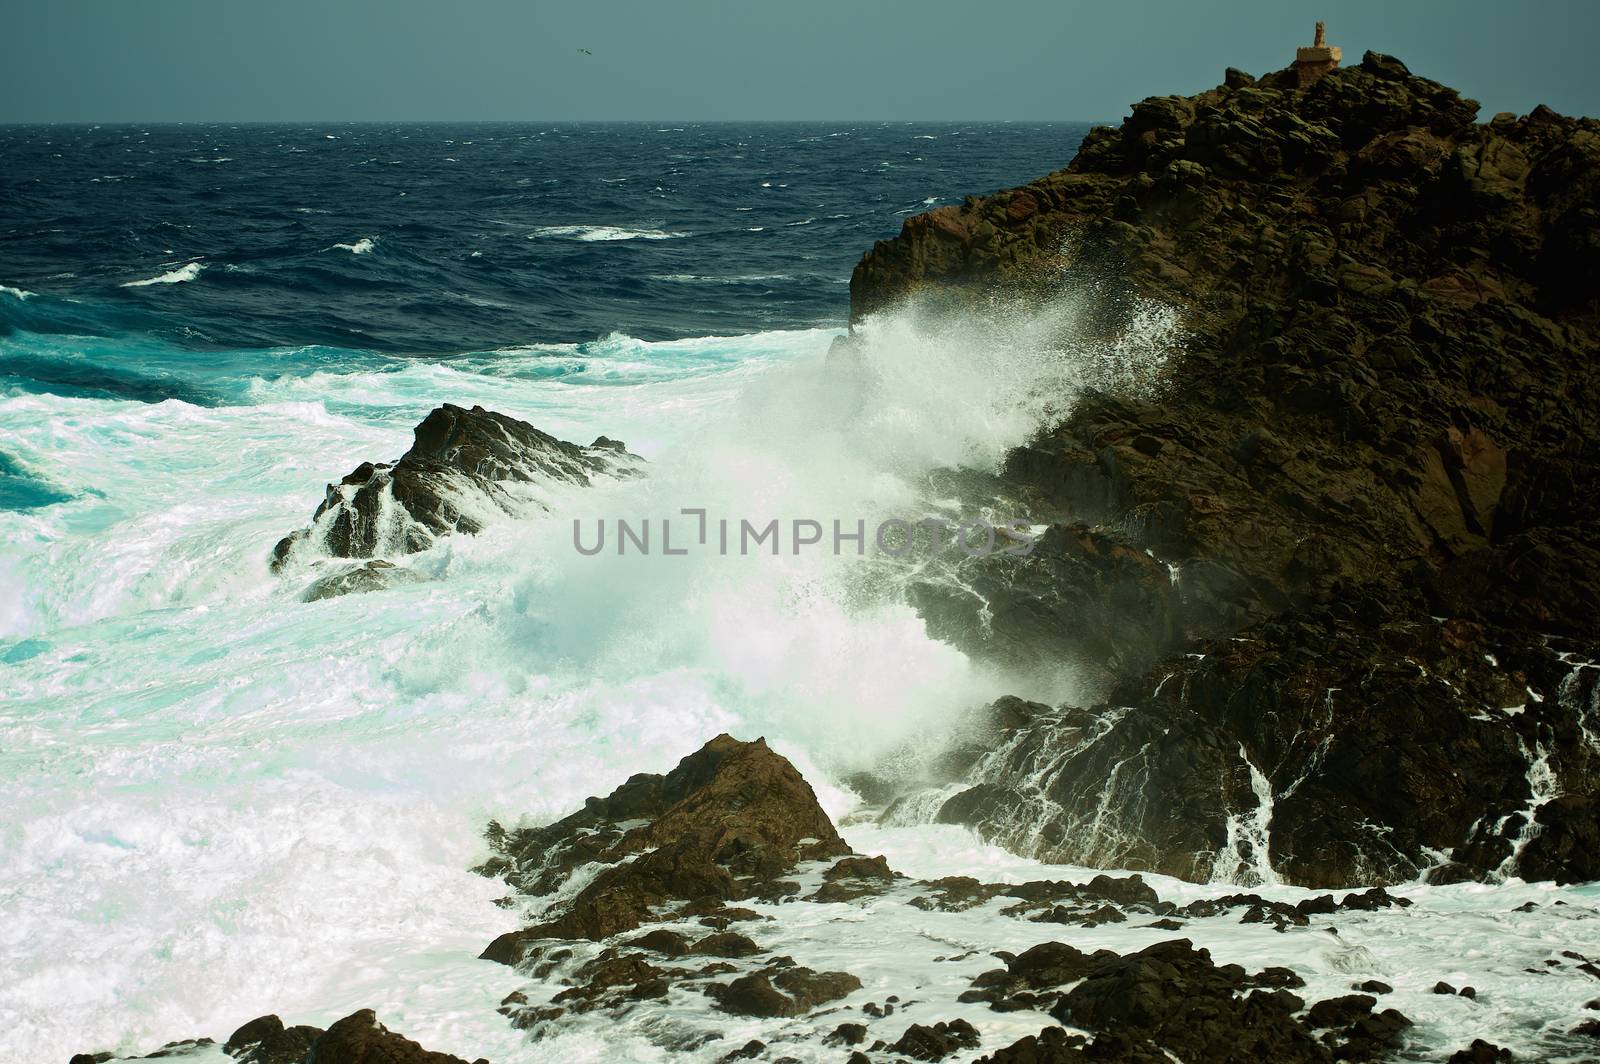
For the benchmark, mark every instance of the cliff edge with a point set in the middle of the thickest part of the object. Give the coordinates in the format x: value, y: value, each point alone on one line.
x: 1338, y: 573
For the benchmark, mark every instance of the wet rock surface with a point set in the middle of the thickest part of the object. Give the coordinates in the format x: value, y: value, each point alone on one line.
x: 376, y: 575
x: 670, y: 907
x: 1170, y: 998
x: 464, y: 467
x: 729, y: 823
x: 357, y: 1039
x: 1171, y: 1001
x: 1347, y: 743
x: 1334, y: 572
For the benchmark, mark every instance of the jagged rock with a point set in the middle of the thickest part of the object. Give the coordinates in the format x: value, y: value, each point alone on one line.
x: 725, y: 944
x: 1381, y: 407
x: 854, y: 877
x: 1022, y: 982
x: 937, y: 1041
x: 1481, y: 1052
x: 360, y: 1039
x: 781, y: 991
x: 612, y: 980
x: 667, y: 943
x: 1053, y: 1045
x: 726, y: 824
x: 265, y: 1040
x: 357, y: 1039
x: 1171, y: 1001
x: 1377, y: 737
x: 463, y: 467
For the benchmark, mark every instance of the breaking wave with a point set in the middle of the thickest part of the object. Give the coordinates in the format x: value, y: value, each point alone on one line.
x: 187, y: 272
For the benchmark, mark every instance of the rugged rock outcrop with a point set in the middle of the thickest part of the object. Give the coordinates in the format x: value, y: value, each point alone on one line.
x: 1352, y: 743
x: 1171, y: 1001
x: 735, y: 823
x: 656, y: 910
x: 465, y: 467
x: 357, y: 1039
x: 360, y: 1039
x: 727, y: 824
x: 1335, y: 571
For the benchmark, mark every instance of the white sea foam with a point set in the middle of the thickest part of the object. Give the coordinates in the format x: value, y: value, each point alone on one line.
x: 363, y: 246
x: 599, y: 233
x: 221, y: 801
x: 187, y: 272
x: 15, y: 293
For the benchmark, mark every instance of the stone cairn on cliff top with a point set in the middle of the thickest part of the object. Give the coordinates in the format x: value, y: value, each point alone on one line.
x: 1310, y: 63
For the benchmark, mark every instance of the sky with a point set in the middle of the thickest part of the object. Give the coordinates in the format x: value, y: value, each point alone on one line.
x: 1026, y: 60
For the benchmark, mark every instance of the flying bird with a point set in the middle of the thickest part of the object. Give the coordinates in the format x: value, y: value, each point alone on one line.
x: 585, y: 51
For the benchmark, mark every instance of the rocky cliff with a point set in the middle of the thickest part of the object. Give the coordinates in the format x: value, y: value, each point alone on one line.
x: 1337, y: 572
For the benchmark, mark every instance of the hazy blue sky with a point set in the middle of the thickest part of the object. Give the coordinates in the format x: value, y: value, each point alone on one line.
x: 217, y: 60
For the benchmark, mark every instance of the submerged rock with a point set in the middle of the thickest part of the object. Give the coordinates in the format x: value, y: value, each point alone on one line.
x: 1313, y: 568
x: 464, y: 468
x: 376, y: 575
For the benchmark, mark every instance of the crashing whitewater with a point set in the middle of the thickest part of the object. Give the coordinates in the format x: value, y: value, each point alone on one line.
x: 220, y: 797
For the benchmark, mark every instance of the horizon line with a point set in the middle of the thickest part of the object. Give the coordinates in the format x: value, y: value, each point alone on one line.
x: 546, y: 121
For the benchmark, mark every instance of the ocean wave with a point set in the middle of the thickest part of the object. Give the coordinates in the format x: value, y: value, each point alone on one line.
x: 744, y: 278
x: 187, y: 272
x: 363, y: 246
x: 15, y: 293
x: 23, y: 487
x: 592, y: 233
x: 75, y: 377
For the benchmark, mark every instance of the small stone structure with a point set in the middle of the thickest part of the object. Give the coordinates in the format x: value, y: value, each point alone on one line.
x: 1313, y: 62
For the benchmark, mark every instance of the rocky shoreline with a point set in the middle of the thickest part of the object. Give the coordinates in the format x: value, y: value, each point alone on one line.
x: 1336, y: 572
x: 1342, y: 597
x: 679, y: 888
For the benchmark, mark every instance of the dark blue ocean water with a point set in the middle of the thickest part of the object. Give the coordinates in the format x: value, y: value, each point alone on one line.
x: 470, y: 237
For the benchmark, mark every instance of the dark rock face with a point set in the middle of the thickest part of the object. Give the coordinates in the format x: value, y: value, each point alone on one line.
x: 734, y: 821
x: 935, y: 1041
x: 1322, y: 747
x: 1172, y: 1001
x: 357, y: 1039
x: 781, y: 991
x: 360, y: 1039
x: 728, y: 823
x: 266, y: 1040
x: 1323, y: 565
x: 1481, y: 1052
x: 461, y: 469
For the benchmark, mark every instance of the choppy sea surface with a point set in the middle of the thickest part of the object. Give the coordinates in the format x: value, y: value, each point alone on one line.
x: 220, y: 801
